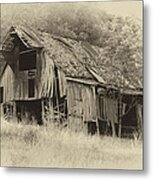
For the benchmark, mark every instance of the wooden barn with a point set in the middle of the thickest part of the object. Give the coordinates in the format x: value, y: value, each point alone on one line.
x: 53, y: 79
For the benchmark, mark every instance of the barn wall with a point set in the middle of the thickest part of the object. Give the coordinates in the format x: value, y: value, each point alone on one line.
x: 81, y: 105
x: 22, y: 77
x: 43, y: 75
x: 46, y: 75
x: 7, y: 82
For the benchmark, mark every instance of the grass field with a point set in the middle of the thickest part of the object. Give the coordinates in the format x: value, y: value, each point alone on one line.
x: 34, y: 146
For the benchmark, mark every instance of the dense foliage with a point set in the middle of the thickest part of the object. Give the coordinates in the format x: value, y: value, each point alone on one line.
x: 121, y: 38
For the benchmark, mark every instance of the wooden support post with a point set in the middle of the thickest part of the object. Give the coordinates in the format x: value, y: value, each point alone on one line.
x: 51, y: 110
x: 57, y: 101
x: 120, y: 116
x: 57, y: 94
x: 0, y: 110
x: 113, y: 121
x: 14, y: 111
x: 139, y: 119
x: 43, y: 112
x: 97, y: 111
x: 97, y: 124
x: 113, y: 128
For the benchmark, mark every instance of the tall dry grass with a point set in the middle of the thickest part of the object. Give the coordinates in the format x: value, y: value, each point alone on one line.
x: 35, y: 146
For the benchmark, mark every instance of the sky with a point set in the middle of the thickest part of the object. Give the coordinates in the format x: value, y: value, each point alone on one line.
x: 122, y: 8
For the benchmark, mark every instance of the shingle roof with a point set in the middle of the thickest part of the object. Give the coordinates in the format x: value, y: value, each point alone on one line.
x: 76, y: 59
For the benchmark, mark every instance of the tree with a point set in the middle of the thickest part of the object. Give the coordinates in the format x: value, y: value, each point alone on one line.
x: 120, y: 38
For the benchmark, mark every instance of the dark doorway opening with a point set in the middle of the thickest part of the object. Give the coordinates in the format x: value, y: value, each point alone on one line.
x: 29, y: 111
x: 129, y: 122
x: 27, y: 61
x: 31, y: 88
x: 1, y: 94
x: 92, y: 127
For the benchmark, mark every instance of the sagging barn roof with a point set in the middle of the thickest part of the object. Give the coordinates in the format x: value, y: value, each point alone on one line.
x: 76, y: 59
x: 2, y: 63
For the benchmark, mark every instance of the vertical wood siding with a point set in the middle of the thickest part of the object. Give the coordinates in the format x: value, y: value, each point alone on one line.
x: 7, y: 82
x: 81, y: 105
x: 19, y: 79
x: 46, y: 76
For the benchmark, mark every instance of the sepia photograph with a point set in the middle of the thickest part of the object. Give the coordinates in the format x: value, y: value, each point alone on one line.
x: 71, y: 85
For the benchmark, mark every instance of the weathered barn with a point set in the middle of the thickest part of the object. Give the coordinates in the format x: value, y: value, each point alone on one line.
x: 54, y: 79
x: 2, y: 66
